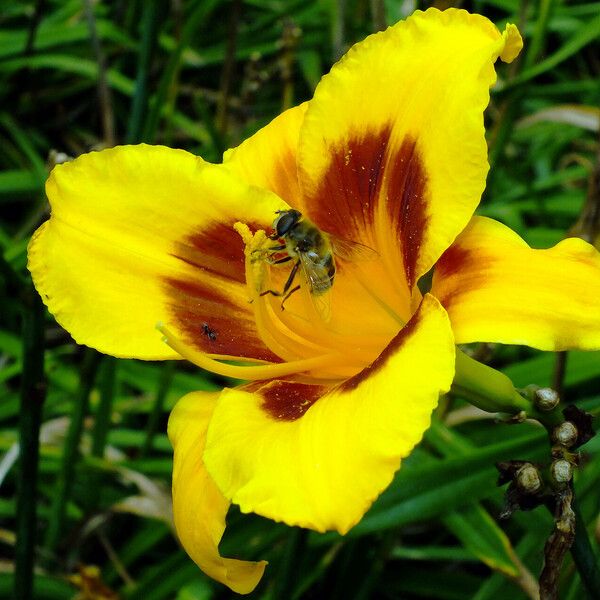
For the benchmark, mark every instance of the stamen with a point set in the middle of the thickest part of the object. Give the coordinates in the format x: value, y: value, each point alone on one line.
x: 299, y: 332
x: 250, y: 373
x: 276, y: 334
x: 270, y: 322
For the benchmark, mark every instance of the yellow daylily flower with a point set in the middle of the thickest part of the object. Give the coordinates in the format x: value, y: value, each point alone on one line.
x: 389, y: 154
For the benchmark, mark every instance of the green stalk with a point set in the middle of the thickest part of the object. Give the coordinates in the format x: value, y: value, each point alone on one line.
x: 64, y: 483
x: 512, y: 106
x: 103, y: 89
x: 338, y: 30
x: 222, y: 112
x: 104, y: 410
x: 101, y: 429
x: 140, y: 99
x: 164, y: 383
x: 378, y: 15
x: 583, y: 554
x: 493, y: 391
x: 287, y: 572
x: 30, y: 416
x: 192, y: 24
x: 485, y: 387
x: 538, y: 39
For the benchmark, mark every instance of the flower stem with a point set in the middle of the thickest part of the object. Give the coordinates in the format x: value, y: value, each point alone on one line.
x: 30, y: 415
x: 493, y: 391
x: 583, y: 554
x: 103, y: 412
x: 71, y: 450
x: 148, y: 42
x: 164, y: 383
x: 102, y: 422
x: 103, y: 89
x: 485, y: 387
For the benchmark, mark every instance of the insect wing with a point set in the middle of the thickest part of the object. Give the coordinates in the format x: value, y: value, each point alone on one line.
x: 319, y: 281
x: 351, y: 251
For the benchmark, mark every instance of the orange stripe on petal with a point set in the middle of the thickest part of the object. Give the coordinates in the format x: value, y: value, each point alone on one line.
x: 199, y: 301
x: 394, y: 136
x: 288, y: 401
x: 346, y: 201
x: 217, y: 248
x: 375, y: 192
x: 407, y: 203
x: 349, y: 202
x: 141, y: 234
x: 211, y: 321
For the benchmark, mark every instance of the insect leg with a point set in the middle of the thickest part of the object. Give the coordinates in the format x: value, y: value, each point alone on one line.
x: 267, y: 254
x: 292, y: 276
x: 288, y: 284
x: 282, y: 260
x: 294, y: 289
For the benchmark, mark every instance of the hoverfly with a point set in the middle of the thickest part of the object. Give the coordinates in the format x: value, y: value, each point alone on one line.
x: 313, y: 253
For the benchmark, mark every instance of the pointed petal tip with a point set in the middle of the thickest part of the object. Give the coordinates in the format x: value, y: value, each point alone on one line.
x: 199, y: 508
x: 513, y: 43
x: 243, y: 578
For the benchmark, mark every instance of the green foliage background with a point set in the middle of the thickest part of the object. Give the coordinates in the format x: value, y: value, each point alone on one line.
x: 203, y: 75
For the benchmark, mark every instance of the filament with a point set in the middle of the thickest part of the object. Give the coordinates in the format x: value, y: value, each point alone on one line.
x: 250, y: 373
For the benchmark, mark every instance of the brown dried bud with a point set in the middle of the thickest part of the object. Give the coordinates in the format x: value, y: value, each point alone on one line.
x: 546, y: 398
x: 565, y: 434
x: 583, y: 422
x: 561, y: 471
x: 528, y: 479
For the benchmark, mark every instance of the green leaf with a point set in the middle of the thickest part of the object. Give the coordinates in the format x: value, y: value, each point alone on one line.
x: 199, y: 589
x: 480, y: 534
x: 586, y: 34
x: 20, y: 181
x: 427, y: 488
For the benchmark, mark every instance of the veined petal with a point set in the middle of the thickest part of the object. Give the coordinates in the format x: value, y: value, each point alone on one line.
x: 199, y: 508
x: 392, y: 150
x: 269, y: 159
x: 140, y: 234
x: 318, y: 457
x: 497, y: 289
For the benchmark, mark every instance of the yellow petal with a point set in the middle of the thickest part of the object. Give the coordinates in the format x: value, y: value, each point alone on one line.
x: 140, y: 234
x: 497, y: 289
x: 199, y: 508
x: 318, y: 458
x: 269, y: 158
x: 392, y: 150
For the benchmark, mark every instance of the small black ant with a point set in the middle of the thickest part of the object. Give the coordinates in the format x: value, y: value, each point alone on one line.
x: 211, y: 334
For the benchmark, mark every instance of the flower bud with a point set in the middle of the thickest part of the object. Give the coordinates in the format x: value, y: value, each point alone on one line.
x: 528, y: 479
x: 546, y: 398
x: 565, y: 434
x: 561, y: 471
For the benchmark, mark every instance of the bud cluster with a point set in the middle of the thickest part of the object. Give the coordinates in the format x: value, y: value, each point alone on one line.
x: 531, y: 484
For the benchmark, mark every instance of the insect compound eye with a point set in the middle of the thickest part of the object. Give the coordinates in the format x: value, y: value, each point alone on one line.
x: 286, y: 220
